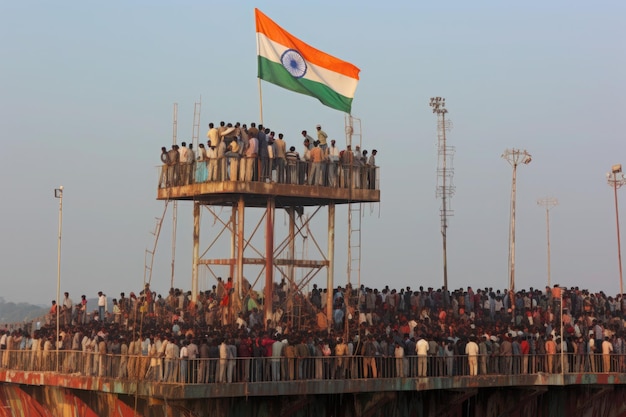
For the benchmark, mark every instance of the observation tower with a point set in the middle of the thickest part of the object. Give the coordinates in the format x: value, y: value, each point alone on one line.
x: 231, y: 196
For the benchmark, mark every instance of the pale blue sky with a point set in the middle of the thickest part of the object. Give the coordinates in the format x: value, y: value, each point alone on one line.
x: 86, y: 96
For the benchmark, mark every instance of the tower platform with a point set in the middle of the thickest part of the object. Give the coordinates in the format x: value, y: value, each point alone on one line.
x: 285, y: 194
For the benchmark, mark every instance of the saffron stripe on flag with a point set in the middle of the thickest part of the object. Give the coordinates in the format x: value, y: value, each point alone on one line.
x: 266, y: 26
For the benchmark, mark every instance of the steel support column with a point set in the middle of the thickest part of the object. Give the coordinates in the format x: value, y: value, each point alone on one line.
x: 291, y: 212
x: 233, y: 239
x: 241, y: 206
x: 269, y: 258
x: 331, y: 264
x: 196, y: 251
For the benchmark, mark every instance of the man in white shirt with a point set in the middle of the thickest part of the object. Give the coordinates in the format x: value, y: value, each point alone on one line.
x: 3, y: 347
x: 251, y: 155
x: 607, y: 349
x: 471, y: 350
x: 281, y: 152
x: 184, y: 362
x: 333, y: 163
x: 211, y: 155
x: 213, y: 135
x: 421, y: 348
x: 68, y: 304
x: 221, y: 366
x: 183, y: 153
x: 170, y: 361
x: 102, y: 306
x: 192, y: 352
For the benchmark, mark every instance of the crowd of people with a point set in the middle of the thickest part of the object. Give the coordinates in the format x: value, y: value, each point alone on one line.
x: 236, y: 152
x: 372, y: 333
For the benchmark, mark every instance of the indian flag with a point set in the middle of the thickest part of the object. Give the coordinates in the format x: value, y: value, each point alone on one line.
x: 288, y: 62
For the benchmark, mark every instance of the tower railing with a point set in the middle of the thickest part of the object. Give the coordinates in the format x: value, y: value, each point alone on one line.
x: 234, y: 168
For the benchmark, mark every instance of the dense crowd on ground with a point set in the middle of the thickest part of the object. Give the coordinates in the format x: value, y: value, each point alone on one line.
x: 372, y: 333
x: 236, y: 152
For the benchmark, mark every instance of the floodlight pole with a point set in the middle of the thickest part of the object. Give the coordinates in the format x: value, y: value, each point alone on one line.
x: 514, y: 157
x: 58, y: 193
x: 548, y: 203
x: 445, y: 188
x: 617, y: 181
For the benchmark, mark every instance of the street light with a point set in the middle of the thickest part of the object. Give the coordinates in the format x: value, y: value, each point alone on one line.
x: 616, y: 181
x: 548, y: 203
x: 514, y: 157
x: 58, y: 193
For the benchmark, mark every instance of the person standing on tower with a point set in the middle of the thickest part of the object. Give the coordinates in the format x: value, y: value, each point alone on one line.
x: 280, y: 157
x: 213, y: 134
x: 315, y: 173
x: 371, y: 175
x: 333, y: 163
x: 183, y: 152
x: 321, y: 137
x: 220, y: 133
x: 102, y: 306
x: 165, y: 161
x: 251, y: 156
x: 292, y: 158
x: 173, y: 158
x: 264, y: 170
x: 68, y: 304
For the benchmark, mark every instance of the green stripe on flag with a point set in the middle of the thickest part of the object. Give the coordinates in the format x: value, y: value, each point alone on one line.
x: 275, y: 73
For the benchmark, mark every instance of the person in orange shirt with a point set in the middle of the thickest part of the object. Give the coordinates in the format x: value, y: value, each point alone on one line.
x: 556, y: 298
x: 550, y: 353
x: 317, y: 157
x: 442, y: 315
x: 52, y: 314
x: 322, y: 321
x: 225, y: 301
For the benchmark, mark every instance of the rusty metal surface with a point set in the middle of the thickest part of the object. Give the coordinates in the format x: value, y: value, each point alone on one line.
x: 15, y: 402
x: 107, y: 385
x: 255, y: 194
x: 52, y: 401
x: 559, y: 400
x: 289, y: 388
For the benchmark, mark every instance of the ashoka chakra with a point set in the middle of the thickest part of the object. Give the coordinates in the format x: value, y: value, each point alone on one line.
x: 294, y: 63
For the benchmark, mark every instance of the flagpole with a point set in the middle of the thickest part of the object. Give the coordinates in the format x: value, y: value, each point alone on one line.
x: 260, y: 100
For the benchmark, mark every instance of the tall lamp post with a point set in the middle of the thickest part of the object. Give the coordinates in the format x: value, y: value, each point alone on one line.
x: 445, y: 187
x: 514, y: 157
x: 58, y: 193
x: 616, y: 179
x: 548, y: 203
